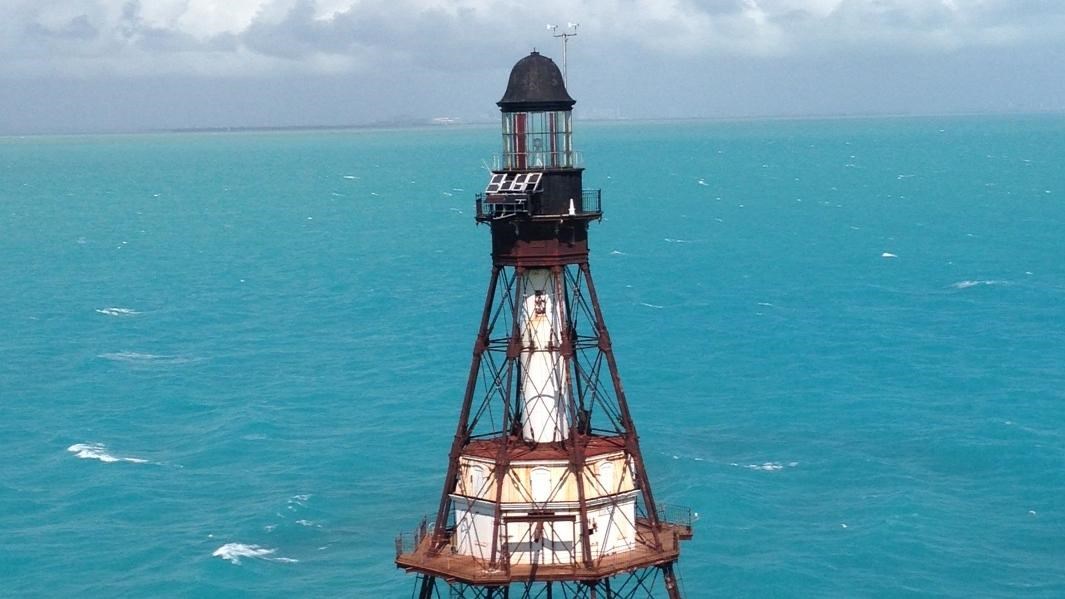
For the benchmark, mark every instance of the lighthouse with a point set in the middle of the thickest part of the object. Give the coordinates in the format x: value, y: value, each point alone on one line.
x: 546, y: 493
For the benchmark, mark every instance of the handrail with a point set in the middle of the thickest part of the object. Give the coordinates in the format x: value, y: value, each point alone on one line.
x: 408, y: 542
x: 676, y: 515
x: 537, y: 160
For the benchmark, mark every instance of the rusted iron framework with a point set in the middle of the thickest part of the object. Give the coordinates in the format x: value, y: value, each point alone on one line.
x: 630, y: 585
x: 489, y: 407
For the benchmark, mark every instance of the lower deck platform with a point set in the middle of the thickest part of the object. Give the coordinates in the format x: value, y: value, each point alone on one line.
x: 453, y: 567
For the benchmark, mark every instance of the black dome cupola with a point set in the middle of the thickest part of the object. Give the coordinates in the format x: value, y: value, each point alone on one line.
x: 536, y: 85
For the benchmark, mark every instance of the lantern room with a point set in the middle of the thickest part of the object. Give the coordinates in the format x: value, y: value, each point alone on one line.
x: 537, y: 117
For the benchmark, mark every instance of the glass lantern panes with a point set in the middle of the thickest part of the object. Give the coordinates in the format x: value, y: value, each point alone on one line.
x: 537, y: 140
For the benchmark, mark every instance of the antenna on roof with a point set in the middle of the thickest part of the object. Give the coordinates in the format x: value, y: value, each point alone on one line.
x: 565, y: 35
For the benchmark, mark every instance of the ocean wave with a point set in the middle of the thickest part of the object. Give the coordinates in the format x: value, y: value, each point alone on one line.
x: 769, y: 466
x: 967, y: 284
x: 117, y: 311
x: 298, y: 501
x: 98, y: 451
x: 132, y: 357
x: 233, y: 552
x: 655, y: 306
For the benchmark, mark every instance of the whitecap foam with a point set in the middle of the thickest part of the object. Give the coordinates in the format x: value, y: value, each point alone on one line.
x: 967, y: 284
x: 234, y: 552
x: 350, y: 177
x: 769, y: 466
x: 98, y: 451
x: 888, y: 255
x: 115, y: 311
x: 655, y: 306
x: 298, y: 501
x: 671, y: 240
x: 132, y: 357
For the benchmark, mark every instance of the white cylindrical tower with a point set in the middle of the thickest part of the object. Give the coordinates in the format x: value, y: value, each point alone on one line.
x: 545, y: 401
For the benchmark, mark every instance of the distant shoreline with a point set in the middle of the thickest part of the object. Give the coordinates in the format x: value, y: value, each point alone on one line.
x: 428, y: 124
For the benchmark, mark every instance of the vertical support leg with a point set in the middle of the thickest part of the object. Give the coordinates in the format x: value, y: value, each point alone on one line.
x: 461, y: 432
x: 631, y: 438
x: 670, y: 579
x: 575, y: 442
x: 503, y: 456
x: 425, y: 590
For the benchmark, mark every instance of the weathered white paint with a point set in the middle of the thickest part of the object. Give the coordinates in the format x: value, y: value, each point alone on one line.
x: 473, y: 527
x: 550, y: 542
x: 554, y: 541
x: 615, y: 527
x: 532, y: 487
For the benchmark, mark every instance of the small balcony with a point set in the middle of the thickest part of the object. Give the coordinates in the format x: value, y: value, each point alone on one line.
x: 491, y: 207
x: 408, y: 542
x: 678, y: 518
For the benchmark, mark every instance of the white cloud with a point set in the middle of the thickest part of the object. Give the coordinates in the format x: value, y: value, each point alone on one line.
x: 220, y: 37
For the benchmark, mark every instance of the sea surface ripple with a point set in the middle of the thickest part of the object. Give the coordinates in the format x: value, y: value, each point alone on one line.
x: 232, y: 363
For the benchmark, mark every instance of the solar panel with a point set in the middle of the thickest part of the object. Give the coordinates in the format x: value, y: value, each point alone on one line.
x: 496, y: 184
x: 516, y: 183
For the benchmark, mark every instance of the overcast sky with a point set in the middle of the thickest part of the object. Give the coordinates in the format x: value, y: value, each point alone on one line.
x: 122, y: 65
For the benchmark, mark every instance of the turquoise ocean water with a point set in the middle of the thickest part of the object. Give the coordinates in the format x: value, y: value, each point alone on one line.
x: 230, y: 364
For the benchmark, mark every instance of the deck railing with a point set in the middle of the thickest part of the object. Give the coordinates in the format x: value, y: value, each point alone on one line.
x: 493, y: 206
x: 677, y: 515
x: 408, y: 542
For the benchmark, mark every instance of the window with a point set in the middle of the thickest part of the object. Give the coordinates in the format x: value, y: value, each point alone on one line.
x: 477, y: 475
x: 541, y: 485
x: 606, y: 477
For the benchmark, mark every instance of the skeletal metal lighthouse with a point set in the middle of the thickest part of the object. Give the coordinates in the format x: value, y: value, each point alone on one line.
x: 546, y: 494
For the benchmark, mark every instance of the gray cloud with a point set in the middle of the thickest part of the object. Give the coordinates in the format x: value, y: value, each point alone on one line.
x: 78, y: 28
x: 422, y: 32
x: 368, y: 59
